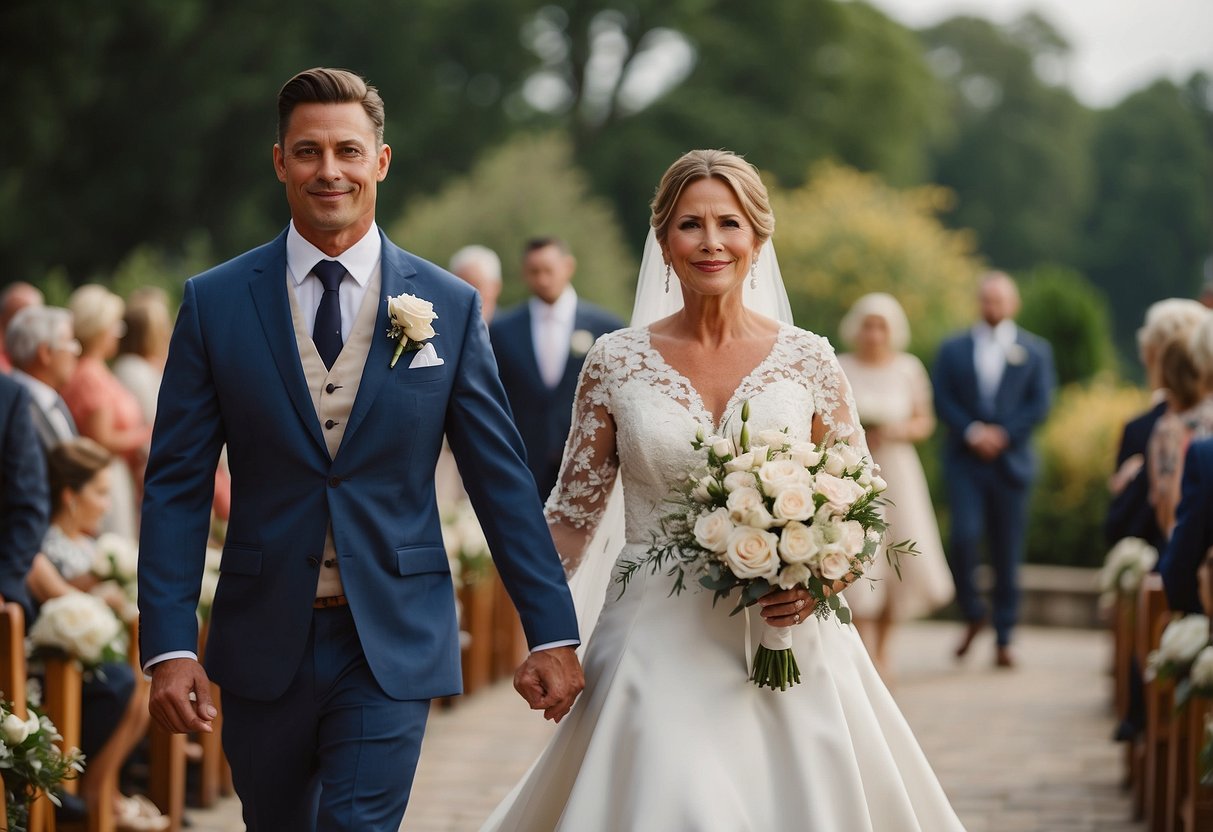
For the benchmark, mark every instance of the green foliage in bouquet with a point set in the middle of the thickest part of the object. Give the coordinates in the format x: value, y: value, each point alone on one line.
x: 31, y: 762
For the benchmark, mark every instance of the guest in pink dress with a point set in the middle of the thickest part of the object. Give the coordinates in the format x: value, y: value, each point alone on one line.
x: 104, y: 410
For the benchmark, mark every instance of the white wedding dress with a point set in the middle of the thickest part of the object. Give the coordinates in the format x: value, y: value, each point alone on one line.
x: 669, y: 734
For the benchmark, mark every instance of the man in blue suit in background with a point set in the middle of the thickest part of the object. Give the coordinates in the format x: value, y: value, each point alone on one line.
x: 333, y: 625
x: 993, y: 386
x: 1193, y: 533
x: 540, y: 347
x: 24, y: 492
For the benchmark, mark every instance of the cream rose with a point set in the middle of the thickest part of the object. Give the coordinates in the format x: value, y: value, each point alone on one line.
x: 744, y: 462
x: 700, y: 492
x: 797, y: 543
x: 413, y: 315
x: 804, y: 453
x: 751, y: 553
x: 776, y: 439
x: 850, y: 456
x: 779, y: 474
x: 794, y: 575
x: 758, y: 517
x: 833, y: 563
x: 1184, y: 638
x: 721, y: 447
x: 851, y: 537
x: 15, y: 729
x: 834, y: 464
x: 738, y: 479
x: 795, y: 502
x: 840, y: 493
x: 1202, y: 669
x: 741, y: 501
x: 878, y: 483
x: 712, y: 530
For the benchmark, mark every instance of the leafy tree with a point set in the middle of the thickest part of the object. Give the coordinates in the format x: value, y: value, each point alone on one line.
x: 1062, y: 306
x: 1149, y: 227
x: 1017, y: 153
x: 847, y: 233
x: 526, y: 188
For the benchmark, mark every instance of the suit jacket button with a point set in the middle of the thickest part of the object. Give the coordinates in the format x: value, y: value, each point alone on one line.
x: 330, y: 424
x: 334, y: 482
x: 332, y: 388
x: 313, y: 561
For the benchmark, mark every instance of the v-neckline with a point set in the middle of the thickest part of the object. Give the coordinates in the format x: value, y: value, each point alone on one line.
x: 695, y: 398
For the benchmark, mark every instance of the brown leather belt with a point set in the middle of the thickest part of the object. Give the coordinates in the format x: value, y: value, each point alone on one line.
x: 329, y: 601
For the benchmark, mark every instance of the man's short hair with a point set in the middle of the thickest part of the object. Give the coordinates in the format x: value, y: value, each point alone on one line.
x: 32, y: 327
x: 482, y: 256
x: 536, y: 243
x: 321, y: 85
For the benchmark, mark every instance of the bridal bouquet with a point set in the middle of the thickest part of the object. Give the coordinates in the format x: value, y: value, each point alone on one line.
x: 776, y: 513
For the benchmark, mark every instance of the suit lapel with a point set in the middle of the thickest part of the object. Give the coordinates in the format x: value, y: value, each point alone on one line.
x: 269, y: 289
x: 395, y: 278
x: 526, y: 343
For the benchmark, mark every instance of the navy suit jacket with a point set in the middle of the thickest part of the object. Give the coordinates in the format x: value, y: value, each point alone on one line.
x: 24, y: 492
x: 1129, y: 512
x: 544, y: 415
x: 1193, y: 534
x: 1021, y: 403
x: 234, y: 376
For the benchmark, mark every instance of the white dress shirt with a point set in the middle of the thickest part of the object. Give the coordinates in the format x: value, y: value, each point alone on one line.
x: 990, y: 348
x: 360, y: 260
x: 552, y: 334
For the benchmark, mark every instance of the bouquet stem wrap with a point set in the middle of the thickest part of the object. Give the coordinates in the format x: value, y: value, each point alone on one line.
x: 774, y: 662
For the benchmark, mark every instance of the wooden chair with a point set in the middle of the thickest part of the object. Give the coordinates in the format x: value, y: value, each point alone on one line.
x: 214, y: 774
x: 477, y: 601
x: 166, y: 755
x: 13, y: 681
x: 1193, y: 802
x: 509, y: 640
x: 1152, y: 617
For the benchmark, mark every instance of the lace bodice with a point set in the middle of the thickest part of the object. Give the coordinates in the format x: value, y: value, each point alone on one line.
x: 636, y: 414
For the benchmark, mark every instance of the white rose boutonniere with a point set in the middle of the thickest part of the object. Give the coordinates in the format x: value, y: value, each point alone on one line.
x: 1016, y: 355
x: 412, y: 323
x: 581, y: 342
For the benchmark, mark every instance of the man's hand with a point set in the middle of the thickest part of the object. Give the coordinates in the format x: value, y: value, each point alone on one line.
x: 988, y: 441
x: 173, y: 681
x: 549, y: 680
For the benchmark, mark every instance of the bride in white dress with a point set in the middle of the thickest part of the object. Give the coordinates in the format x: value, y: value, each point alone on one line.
x: 670, y: 735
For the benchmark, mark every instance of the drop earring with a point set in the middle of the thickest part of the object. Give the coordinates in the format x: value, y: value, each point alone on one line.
x: 667, y: 278
x: 754, y: 275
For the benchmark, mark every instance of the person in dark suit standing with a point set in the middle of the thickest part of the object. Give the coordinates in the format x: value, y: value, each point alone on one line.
x: 24, y: 493
x: 1193, y: 534
x: 540, y: 347
x: 993, y: 386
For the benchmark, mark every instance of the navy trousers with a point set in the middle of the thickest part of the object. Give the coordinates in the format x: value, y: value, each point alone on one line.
x: 987, y: 508
x: 335, y: 752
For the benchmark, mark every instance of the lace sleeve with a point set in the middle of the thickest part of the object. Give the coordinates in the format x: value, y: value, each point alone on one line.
x: 835, y: 406
x: 590, y: 464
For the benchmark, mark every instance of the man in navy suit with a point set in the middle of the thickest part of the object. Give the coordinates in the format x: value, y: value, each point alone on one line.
x: 993, y: 386
x: 1193, y: 534
x: 540, y: 347
x: 24, y: 492
x: 333, y: 624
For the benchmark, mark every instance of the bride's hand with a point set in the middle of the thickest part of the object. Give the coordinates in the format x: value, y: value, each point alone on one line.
x: 786, y: 607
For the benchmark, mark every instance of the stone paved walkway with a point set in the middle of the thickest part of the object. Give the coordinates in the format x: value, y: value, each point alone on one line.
x: 1019, y: 751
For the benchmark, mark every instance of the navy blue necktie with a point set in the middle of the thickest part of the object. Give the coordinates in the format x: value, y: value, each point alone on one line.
x: 327, y: 330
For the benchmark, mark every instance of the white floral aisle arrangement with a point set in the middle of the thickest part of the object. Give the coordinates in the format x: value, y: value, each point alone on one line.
x: 81, y: 625
x: 210, y: 582
x: 777, y: 513
x: 1126, y: 563
x: 116, y: 566
x: 1183, y: 640
x: 32, y: 762
x: 467, y: 549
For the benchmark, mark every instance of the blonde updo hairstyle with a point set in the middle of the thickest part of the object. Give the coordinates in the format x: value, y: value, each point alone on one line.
x: 95, y: 311
x: 880, y: 305
x: 741, y: 177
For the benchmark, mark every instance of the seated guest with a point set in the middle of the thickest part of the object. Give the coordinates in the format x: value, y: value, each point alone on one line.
x: 1193, y: 533
x: 143, y: 348
x: 24, y: 505
x: 114, y: 709
x: 43, y: 348
x: 14, y: 298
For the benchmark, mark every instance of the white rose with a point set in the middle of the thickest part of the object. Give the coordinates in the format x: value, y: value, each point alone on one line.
x: 15, y: 729
x: 779, y: 474
x: 1202, y: 669
x: 834, y: 464
x: 413, y: 315
x: 776, y: 439
x: 805, y: 453
x: 794, y: 503
x: 878, y: 483
x: 833, y: 563
x: 850, y: 456
x: 751, y: 553
x: 738, y: 479
x: 720, y: 447
x: 700, y: 492
x: 745, y: 462
x: 794, y: 575
x: 712, y: 530
x: 840, y: 493
x: 851, y: 537
x: 797, y: 543
x: 741, y: 501
x: 865, y: 478
x: 758, y: 517
x: 1184, y: 638
x: 761, y: 454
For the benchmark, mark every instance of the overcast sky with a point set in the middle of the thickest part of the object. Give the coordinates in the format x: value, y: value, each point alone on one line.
x: 1118, y: 45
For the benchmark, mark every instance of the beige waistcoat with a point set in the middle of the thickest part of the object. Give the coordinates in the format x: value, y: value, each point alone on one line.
x: 333, y: 408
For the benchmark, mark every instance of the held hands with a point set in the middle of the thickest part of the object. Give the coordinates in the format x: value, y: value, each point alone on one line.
x: 173, y: 682
x: 549, y: 680
x: 987, y: 441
